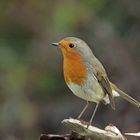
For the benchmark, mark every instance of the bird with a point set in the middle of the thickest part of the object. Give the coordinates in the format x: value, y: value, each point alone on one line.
x: 86, y: 77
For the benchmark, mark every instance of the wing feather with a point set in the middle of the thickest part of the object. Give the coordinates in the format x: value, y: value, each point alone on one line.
x: 103, y: 80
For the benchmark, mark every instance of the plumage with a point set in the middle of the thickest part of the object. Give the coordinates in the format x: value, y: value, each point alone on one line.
x: 86, y: 76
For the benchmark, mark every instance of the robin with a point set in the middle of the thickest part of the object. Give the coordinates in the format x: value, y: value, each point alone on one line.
x: 86, y: 77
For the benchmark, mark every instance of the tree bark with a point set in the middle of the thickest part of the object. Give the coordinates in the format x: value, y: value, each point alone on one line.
x: 79, y: 131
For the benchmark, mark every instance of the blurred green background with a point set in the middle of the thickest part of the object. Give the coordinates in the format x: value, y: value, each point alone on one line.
x: 33, y: 96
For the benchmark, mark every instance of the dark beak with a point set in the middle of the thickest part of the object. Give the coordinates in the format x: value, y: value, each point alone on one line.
x: 55, y: 44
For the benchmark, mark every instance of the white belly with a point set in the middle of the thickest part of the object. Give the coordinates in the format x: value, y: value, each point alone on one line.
x: 89, y: 91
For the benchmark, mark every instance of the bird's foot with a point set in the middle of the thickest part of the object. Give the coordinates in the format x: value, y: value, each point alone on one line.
x: 83, y: 122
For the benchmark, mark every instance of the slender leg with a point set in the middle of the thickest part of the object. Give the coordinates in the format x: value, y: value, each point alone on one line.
x: 80, y: 115
x: 96, y: 107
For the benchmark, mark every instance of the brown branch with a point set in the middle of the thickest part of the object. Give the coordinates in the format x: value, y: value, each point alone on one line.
x: 109, y: 133
x: 81, y: 132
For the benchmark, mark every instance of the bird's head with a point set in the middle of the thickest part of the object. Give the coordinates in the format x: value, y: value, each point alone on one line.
x: 72, y: 46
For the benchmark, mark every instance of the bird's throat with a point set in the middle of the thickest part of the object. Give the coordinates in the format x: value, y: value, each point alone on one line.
x: 74, y: 68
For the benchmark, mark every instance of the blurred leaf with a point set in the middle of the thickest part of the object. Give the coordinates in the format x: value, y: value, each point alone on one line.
x: 68, y: 15
x: 15, y: 36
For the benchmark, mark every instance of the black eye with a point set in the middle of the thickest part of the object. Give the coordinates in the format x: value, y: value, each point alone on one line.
x: 71, y: 45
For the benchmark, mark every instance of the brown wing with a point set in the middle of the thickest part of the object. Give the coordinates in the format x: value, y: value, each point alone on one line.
x: 102, y: 78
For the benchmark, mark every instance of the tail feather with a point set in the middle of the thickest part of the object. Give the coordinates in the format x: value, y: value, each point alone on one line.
x: 125, y: 96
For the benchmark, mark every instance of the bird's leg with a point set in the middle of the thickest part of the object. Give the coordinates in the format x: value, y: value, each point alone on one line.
x: 96, y: 107
x: 80, y: 115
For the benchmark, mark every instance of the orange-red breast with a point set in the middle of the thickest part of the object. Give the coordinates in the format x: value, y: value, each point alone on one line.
x: 86, y: 76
